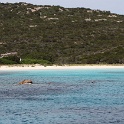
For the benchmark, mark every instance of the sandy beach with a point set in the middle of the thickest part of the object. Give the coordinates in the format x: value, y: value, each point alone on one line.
x: 40, y: 67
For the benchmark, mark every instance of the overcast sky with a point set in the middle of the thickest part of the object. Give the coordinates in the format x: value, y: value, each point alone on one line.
x: 115, y: 6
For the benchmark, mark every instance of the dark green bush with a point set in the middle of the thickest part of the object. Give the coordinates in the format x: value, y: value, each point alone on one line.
x: 6, y: 61
x: 35, y: 61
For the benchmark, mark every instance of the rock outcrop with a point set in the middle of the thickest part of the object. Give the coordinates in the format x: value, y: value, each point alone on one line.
x: 25, y: 82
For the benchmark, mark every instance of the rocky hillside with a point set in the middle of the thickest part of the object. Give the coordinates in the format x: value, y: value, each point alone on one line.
x: 61, y: 35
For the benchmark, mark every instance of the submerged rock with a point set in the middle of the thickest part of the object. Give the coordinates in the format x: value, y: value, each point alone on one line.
x: 26, y: 82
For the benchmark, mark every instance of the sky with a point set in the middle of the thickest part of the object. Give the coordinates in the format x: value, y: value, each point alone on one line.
x: 114, y: 6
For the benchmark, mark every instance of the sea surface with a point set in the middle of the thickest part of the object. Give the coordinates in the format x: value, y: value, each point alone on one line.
x: 73, y: 96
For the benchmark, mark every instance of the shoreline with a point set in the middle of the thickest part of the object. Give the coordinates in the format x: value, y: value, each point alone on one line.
x: 55, y: 67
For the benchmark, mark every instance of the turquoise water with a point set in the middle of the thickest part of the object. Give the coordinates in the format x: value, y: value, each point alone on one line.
x: 80, y: 96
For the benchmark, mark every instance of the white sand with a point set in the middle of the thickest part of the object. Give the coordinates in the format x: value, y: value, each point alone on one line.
x: 39, y: 67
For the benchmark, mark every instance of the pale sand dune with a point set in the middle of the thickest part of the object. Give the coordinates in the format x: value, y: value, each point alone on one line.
x: 40, y: 67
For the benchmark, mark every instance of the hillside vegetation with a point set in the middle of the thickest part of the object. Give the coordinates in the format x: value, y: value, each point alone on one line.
x: 58, y: 35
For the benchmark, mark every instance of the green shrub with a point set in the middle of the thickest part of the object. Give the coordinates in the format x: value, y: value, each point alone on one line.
x: 6, y: 61
x: 34, y: 61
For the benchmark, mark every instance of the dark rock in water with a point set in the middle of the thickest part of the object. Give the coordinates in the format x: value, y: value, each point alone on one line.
x: 26, y: 82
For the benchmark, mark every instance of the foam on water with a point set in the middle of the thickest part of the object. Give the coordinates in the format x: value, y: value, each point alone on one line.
x: 94, y: 96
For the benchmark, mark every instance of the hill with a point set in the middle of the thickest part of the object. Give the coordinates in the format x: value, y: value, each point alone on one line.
x: 54, y: 34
